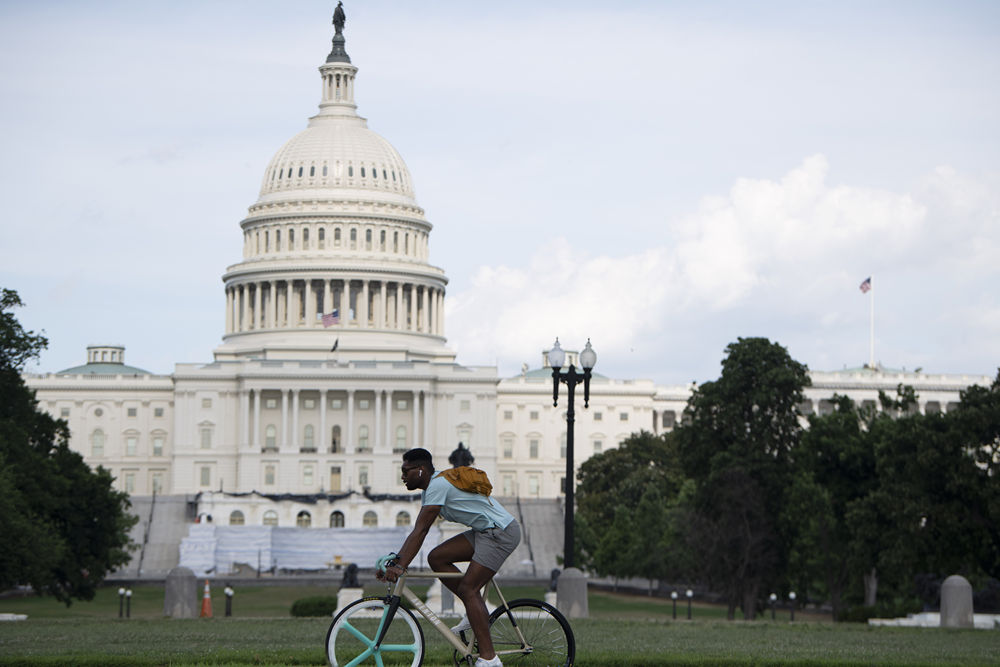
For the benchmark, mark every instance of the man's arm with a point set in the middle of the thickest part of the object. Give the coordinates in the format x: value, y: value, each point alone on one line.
x: 425, y: 519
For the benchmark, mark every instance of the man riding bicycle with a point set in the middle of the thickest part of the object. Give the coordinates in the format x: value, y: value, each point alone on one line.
x: 494, y: 534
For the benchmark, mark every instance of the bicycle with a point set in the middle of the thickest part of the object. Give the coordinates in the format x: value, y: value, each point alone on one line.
x: 378, y: 630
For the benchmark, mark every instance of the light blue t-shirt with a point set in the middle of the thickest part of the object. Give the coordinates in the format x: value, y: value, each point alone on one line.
x: 474, y: 510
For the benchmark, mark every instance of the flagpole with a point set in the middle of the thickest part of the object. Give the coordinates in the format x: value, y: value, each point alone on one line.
x: 871, y: 325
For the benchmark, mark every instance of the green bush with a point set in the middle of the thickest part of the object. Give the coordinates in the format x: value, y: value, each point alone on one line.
x: 891, y: 609
x: 319, y: 605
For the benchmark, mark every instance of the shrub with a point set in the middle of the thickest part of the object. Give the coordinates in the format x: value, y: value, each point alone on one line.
x: 319, y: 605
x: 891, y: 609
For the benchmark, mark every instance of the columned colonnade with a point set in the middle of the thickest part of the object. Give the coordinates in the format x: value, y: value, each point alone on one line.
x: 362, y: 303
x: 290, y: 423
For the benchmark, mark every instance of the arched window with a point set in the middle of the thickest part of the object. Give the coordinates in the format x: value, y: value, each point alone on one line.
x: 368, y: 239
x: 381, y: 240
x: 370, y: 519
x: 400, y: 439
x: 303, y: 519
x: 363, y: 437
x: 291, y: 239
x: 236, y: 518
x: 308, y: 439
x: 403, y: 519
x: 350, y: 170
x: 336, y: 236
x: 277, y: 240
x: 337, y: 519
x: 324, y: 170
x: 270, y: 436
x: 322, y: 238
x: 362, y: 172
x: 300, y: 172
x: 305, y: 238
x: 270, y: 518
x: 97, y: 443
x: 312, y: 170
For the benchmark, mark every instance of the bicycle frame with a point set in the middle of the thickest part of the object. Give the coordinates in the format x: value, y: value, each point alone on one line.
x: 400, y: 589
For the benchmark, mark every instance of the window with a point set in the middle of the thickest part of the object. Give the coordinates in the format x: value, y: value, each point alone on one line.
x: 303, y: 519
x: 337, y: 519
x: 130, y: 482
x: 508, y: 415
x: 305, y: 239
x: 562, y: 446
x: 291, y: 239
x: 307, y: 475
x: 401, y: 404
x: 363, y: 404
x: 63, y: 413
x: 508, y: 485
x: 336, y: 236
x: 336, y: 403
x: 237, y: 518
x: 322, y: 238
x: 271, y: 403
x: 270, y: 437
x: 370, y: 519
x: 309, y: 403
x: 206, y: 438
x: 403, y: 519
x: 308, y: 439
x: 562, y: 484
x: 623, y: 416
x: 381, y: 240
x: 598, y: 416
x: 400, y: 440
x: 269, y: 475
x: 362, y: 172
x: 270, y: 518
x: 533, y: 486
x: 157, y: 412
x: 363, y: 475
x: 206, y: 402
x: 131, y: 444
x: 465, y: 406
x: 533, y: 415
x: 598, y: 446
x: 363, y: 438
x: 334, y: 478
x: 206, y: 476
x: 97, y: 443
x: 335, y: 440
x: 368, y: 239
x: 131, y: 412
x: 508, y: 448
x: 312, y: 170
x: 533, y: 449
x: 157, y: 482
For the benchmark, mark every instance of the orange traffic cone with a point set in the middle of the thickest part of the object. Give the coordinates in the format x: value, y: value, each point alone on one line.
x: 206, y: 602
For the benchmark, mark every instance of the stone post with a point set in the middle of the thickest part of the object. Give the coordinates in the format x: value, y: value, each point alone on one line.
x: 956, y: 603
x: 571, y: 593
x: 180, y: 599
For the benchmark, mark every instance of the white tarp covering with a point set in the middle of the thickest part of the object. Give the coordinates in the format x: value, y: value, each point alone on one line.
x: 209, y: 548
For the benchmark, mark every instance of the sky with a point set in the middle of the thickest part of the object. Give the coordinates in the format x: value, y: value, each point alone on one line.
x: 662, y: 178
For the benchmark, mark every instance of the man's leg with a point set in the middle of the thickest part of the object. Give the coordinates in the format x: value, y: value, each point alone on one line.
x: 442, y: 558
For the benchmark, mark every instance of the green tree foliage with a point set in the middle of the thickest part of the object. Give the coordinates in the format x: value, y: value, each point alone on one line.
x: 736, y: 447
x: 623, y: 516
x: 64, y: 526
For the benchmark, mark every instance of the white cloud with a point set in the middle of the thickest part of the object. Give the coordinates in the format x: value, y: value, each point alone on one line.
x: 784, y: 255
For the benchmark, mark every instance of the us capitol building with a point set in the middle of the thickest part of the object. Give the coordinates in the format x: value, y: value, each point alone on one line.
x: 299, y: 421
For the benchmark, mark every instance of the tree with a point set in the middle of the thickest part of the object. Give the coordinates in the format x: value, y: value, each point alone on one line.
x: 737, y: 447
x: 64, y: 526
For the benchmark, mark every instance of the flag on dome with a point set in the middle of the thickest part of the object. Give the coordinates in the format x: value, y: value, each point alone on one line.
x: 866, y: 285
x: 329, y: 319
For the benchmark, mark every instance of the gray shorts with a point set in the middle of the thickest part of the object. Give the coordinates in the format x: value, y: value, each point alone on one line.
x: 492, y: 546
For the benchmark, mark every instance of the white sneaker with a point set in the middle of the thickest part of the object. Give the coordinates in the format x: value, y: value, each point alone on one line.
x: 462, y: 626
x: 495, y: 662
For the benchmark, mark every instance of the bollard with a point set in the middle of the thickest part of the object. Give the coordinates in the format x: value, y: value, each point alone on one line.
x: 229, y: 600
x: 128, y: 603
x: 689, y: 595
x: 673, y: 597
x: 791, y: 598
x: 121, y: 602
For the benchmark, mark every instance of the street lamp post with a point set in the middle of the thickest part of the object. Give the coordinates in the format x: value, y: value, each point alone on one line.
x: 128, y: 603
x: 557, y: 356
x: 121, y: 602
x: 791, y: 597
x: 690, y: 594
x: 773, y: 599
x: 673, y: 597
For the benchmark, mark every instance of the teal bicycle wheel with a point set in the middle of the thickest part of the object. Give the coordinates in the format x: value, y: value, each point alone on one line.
x: 351, y: 638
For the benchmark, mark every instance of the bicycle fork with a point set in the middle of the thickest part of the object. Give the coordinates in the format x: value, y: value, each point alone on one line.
x: 390, y: 613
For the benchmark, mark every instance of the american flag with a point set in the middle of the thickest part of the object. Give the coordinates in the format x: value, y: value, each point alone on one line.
x: 329, y: 319
x: 866, y: 285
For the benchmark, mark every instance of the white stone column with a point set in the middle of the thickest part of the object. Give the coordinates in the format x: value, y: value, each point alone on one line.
x: 345, y: 315
x: 295, y: 419
x: 348, y: 437
x: 322, y: 446
x: 258, y: 300
x: 390, y: 437
x: 428, y: 405
x: 310, y: 298
x: 327, y: 297
x: 243, y: 308
x: 283, y: 442
x: 229, y: 310
x: 383, y: 317
x: 413, y: 308
x: 363, y: 309
x: 440, y: 328
x: 256, y: 419
x: 377, y: 435
x: 289, y: 288
x: 272, y: 304
x: 416, y: 418
x: 399, y: 306
x: 245, y: 414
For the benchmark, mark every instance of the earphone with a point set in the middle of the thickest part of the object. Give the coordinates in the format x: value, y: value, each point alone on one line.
x: 421, y: 472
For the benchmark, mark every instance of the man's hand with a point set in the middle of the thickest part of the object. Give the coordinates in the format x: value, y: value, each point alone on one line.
x: 392, y: 573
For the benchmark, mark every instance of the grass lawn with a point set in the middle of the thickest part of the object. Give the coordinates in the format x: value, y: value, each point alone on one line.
x: 623, y: 630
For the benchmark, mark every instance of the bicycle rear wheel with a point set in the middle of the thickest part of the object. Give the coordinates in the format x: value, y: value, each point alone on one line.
x: 548, y: 639
x: 351, y: 637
